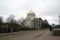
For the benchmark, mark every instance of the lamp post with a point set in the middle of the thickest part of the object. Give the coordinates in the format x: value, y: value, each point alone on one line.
x: 59, y: 19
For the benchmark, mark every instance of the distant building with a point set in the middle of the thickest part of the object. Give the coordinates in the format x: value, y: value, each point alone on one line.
x: 37, y: 23
x: 30, y: 16
x: 31, y: 21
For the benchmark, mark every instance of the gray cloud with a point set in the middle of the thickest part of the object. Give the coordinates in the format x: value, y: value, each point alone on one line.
x: 42, y: 8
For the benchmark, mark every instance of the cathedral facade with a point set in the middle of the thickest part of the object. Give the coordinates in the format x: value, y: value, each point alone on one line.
x: 31, y: 20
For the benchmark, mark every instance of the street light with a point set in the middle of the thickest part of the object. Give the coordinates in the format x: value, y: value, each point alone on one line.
x: 59, y: 19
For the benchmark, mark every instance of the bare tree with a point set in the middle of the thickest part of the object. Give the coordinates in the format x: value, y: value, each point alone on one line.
x: 1, y: 21
x: 10, y: 22
x: 45, y: 24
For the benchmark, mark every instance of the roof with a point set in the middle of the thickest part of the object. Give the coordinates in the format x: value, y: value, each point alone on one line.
x: 31, y: 12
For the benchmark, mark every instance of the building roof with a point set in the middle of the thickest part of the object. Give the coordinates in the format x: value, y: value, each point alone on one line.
x: 31, y: 12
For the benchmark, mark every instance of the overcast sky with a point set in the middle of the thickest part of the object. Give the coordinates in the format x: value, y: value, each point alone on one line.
x: 46, y: 9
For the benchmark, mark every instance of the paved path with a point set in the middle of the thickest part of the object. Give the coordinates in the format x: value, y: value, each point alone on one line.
x: 30, y: 35
x: 50, y: 37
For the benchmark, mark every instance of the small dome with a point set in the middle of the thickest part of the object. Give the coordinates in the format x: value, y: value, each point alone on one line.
x: 31, y: 12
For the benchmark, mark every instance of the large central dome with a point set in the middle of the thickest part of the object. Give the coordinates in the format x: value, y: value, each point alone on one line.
x: 30, y: 15
x: 31, y: 12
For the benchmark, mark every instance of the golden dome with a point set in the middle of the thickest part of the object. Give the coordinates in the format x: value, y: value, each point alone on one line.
x: 31, y: 12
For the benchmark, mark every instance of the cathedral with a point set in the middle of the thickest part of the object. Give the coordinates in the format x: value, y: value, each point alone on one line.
x: 31, y: 20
